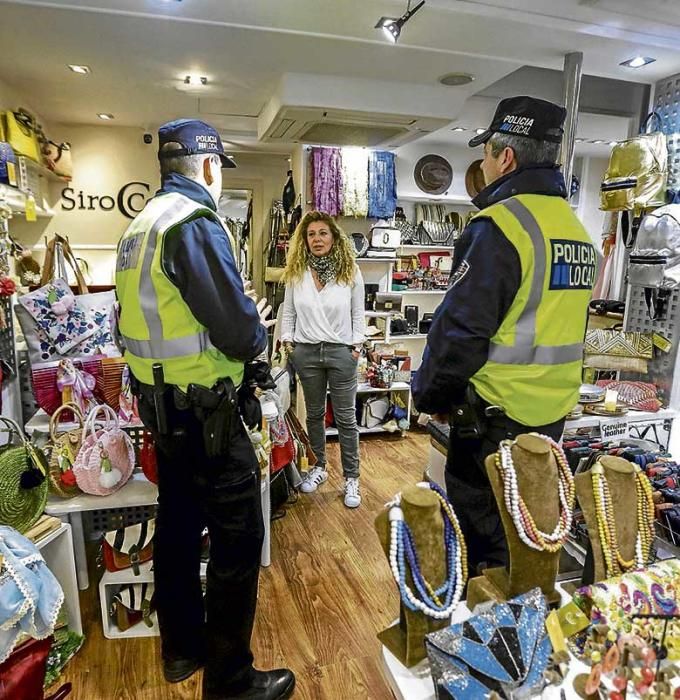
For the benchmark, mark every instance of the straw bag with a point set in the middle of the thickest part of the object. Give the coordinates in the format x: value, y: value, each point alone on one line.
x: 23, y: 486
x: 106, y: 457
x: 64, y: 450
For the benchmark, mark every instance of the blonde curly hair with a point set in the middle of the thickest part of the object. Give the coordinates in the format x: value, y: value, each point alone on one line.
x: 298, y: 251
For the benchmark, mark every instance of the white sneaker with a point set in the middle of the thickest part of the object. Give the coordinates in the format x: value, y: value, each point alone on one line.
x: 352, y: 495
x: 313, y: 479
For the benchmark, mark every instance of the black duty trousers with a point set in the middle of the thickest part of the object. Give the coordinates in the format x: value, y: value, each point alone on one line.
x: 222, y: 494
x: 469, y: 490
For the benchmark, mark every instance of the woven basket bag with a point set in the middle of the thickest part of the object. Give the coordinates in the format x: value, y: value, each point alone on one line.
x: 64, y: 448
x: 23, y: 482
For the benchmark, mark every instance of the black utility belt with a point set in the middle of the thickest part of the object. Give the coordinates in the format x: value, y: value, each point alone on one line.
x: 470, y: 418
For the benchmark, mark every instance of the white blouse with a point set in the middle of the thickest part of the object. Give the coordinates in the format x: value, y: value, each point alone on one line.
x: 333, y: 315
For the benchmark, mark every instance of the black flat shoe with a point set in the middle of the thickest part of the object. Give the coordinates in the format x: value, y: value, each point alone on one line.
x: 180, y: 669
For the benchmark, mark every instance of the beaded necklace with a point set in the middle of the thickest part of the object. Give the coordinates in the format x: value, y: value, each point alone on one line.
x: 615, y: 564
x: 439, y: 603
x: 524, y: 522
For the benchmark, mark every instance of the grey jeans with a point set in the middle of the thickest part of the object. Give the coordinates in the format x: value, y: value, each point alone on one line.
x: 330, y: 366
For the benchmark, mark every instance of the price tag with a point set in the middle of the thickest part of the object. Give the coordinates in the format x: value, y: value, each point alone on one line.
x: 662, y: 343
x: 31, y: 212
x: 614, y: 429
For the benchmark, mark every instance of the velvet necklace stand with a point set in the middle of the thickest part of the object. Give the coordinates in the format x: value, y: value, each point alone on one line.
x: 537, y: 480
x: 406, y: 638
x: 620, y: 475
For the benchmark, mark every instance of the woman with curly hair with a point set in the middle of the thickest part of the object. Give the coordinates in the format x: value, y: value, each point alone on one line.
x: 322, y: 331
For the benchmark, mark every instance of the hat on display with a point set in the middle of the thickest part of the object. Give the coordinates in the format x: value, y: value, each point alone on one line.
x: 433, y: 174
x: 525, y: 116
x: 195, y: 137
x: 474, y: 178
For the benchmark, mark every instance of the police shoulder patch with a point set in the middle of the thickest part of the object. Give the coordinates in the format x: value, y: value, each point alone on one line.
x: 459, y: 273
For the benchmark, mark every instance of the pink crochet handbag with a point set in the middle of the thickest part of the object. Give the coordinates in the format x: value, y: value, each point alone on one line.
x: 107, y: 456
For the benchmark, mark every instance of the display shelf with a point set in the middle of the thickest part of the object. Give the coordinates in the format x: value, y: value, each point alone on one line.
x: 409, y: 292
x: 409, y: 336
x: 411, y: 246
x: 110, y: 583
x: 396, y: 386
x: 16, y: 200
x: 333, y: 432
x: 445, y: 199
x: 57, y: 550
x: 588, y: 421
x: 379, y: 314
x: 380, y: 261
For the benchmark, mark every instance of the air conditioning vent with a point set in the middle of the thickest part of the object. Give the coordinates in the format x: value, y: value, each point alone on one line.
x: 351, y: 134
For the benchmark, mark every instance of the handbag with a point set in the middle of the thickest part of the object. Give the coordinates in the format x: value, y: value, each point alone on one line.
x: 407, y: 230
x: 128, y: 547
x: 439, y: 233
x: 505, y: 649
x: 652, y: 591
x: 133, y: 604
x: 64, y: 449
x: 23, y: 480
x: 22, y: 675
x: 385, y: 237
x: 8, y: 161
x: 384, y: 301
x: 148, y: 459
x: 57, y: 157
x: 637, y: 172
x: 618, y: 350
x: 21, y: 134
x: 106, y: 457
x: 374, y: 411
x: 44, y: 383
x: 642, y: 396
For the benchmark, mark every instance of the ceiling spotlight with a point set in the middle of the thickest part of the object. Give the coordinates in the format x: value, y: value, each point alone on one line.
x: 479, y: 131
x: 613, y: 143
x: 637, y: 62
x: 81, y: 70
x: 392, y: 26
x: 456, y: 79
x: 597, y: 142
x: 459, y: 128
x: 106, y: 117
x: 195, y: 80
x: 579, y: 140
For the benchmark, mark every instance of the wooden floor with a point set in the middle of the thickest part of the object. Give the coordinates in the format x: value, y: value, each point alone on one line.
x: 325, y: 597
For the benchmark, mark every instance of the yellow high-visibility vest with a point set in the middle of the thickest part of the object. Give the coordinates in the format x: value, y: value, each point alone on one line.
x: 156, y: 325
x: 535, y: 359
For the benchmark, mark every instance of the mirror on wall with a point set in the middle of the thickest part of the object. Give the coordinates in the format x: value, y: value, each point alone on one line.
x: 236, y: 210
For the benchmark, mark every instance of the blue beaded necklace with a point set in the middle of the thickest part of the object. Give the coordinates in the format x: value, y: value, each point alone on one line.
x: 404, y: 557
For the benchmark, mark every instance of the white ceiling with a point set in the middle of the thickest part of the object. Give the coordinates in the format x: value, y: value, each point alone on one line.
x: 139, y: 50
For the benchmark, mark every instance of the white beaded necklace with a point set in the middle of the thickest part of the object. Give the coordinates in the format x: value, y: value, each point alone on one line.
x: 526, y: 528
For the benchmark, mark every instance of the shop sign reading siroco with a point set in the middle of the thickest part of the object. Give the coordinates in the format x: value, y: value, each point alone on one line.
x: 130, y: 199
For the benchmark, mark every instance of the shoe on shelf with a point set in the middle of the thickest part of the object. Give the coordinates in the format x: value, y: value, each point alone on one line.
x: 264, y: 685
x: 179, y: 670
x: 313, y: 479
x: 352, y: 495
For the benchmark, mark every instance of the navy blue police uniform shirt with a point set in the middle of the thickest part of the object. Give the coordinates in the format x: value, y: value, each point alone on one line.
x: 485, y: 279
x: 198, y: 259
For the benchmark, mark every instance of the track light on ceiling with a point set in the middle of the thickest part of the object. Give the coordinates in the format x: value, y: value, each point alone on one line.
x: 637, y: 62
x: 392, y: 26
x: 195, y: 80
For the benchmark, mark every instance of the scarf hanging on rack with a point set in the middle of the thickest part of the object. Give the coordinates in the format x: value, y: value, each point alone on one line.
x: 327, y: 180
x: 382, y: 185
x: 355, y: 181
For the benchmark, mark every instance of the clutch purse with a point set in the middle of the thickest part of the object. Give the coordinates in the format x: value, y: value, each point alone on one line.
x: 387, y: 302
x: 504, y: 649
x: 618, y: 350
x: 438, y: 233
x: 128, y: 547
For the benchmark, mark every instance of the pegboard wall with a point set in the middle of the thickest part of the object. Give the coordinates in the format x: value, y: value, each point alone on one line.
x: 667, y: 105
x: 637, y: 319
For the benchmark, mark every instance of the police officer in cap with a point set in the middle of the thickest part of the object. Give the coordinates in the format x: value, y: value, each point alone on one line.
x: 504, y: 353
x: 189, y: 328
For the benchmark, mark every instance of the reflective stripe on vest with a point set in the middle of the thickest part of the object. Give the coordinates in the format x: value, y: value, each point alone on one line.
x: 158, y: 347
x: 525, y: 351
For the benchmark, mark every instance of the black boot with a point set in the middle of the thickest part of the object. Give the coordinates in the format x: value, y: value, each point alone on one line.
x: 264, y: 685
x: 179, y: 670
